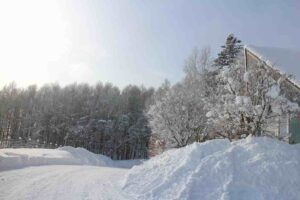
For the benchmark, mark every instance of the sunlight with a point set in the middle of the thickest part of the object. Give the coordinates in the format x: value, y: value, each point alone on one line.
x: 153, y: 100
x: 33, y: 35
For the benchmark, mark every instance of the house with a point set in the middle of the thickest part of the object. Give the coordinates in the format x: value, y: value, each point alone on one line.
x: 280, y: 61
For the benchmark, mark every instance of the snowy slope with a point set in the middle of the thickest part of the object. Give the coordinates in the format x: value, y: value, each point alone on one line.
x: 286, y: 60
x: 249, y: 169
x: 19, y: 158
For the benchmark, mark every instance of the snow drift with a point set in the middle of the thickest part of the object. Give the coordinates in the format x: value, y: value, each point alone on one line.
x: 253, y: 168
x: 19, y: 158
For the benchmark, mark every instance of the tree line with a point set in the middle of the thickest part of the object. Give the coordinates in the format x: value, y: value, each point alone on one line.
x: 101, y: 118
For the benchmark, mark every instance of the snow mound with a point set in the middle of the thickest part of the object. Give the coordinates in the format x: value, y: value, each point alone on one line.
x: 249, y: 169
x: 127, y: 164
x: 23, y: 157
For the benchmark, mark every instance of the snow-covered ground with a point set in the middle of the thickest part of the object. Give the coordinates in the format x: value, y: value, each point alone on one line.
x: 18, y: 158
x: 249, y: 169
x: 65, y: 182
x: 63, y: 173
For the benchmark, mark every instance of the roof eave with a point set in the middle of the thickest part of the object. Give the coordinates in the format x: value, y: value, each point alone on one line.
x: 271, y: 66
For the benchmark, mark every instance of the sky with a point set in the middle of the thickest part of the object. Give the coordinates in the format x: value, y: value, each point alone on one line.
x: 130, y: 41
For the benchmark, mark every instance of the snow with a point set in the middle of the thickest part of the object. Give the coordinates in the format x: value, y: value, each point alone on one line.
x: 246, y: 76
x: 242, y: 100
x: 62, y: 182
x: 210, y: 113
x: 249, y: 169
x: 64, y: 173
x: 285, y: 60
x: 238, y: 100
x: 274, y: 91
x: 127, y: 164
x: 19, y: 158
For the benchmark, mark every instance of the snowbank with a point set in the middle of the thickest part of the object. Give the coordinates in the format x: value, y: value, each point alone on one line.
x: 127, y: 164
x: 253, y: 168
x: 19, y: 158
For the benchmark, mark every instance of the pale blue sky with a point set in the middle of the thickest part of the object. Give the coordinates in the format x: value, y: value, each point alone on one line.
x: 131, y: 41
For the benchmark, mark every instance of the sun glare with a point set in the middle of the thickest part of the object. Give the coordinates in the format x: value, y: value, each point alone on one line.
x: 33, y: 34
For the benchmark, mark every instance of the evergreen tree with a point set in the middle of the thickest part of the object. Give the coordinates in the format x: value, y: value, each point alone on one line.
x: 230, y: 51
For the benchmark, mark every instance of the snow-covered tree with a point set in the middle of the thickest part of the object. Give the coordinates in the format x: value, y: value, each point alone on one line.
x: 178, y: 117
x: 175, y: 118
x: 250, y: 101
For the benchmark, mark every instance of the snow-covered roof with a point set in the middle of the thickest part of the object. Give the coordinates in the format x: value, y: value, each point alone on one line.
x: 285, y: 60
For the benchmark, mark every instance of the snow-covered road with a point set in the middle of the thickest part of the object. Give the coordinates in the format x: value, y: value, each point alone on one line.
x: 250, y: 169
x: 62, y: 182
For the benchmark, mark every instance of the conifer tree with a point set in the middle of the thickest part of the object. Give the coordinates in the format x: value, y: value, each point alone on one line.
x: 229, y: 51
